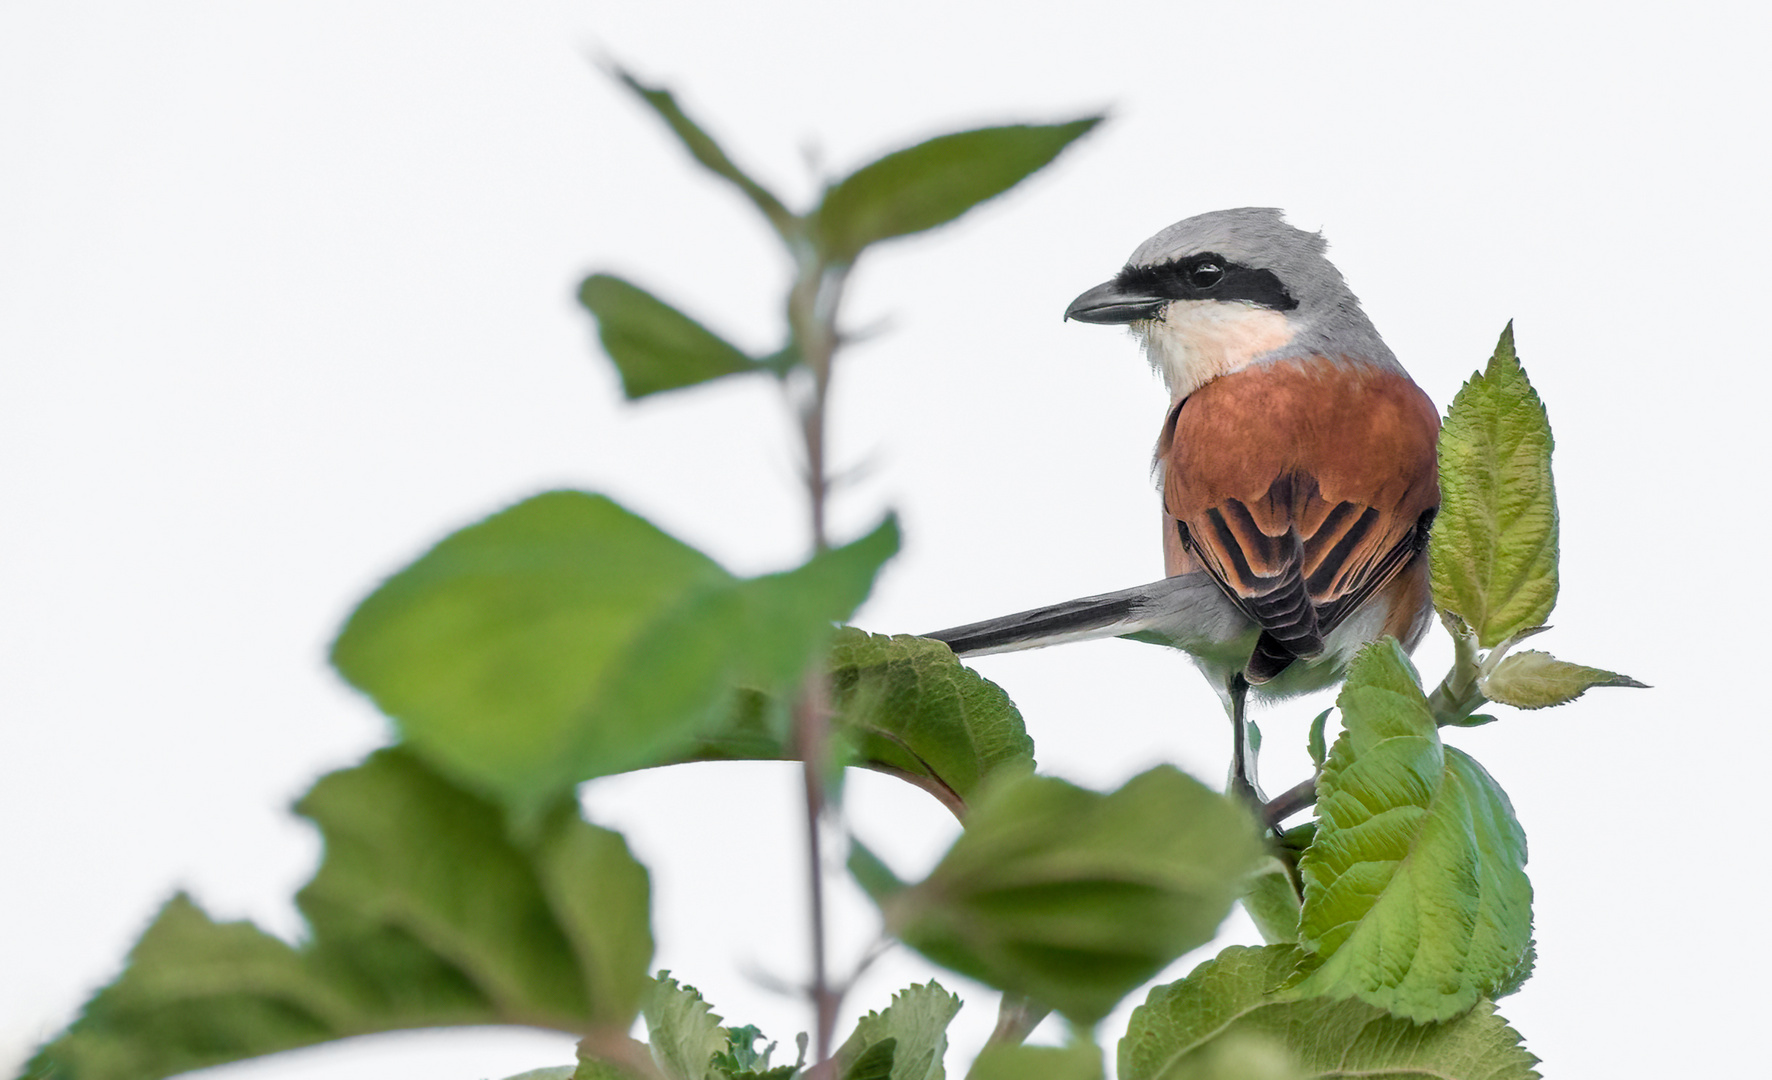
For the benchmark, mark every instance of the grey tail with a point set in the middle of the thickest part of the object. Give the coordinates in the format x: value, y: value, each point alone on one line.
x: 1184, y: 611
x: 1109, y: 615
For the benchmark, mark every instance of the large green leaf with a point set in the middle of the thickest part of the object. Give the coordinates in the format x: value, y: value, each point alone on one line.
x: 1074, y: 898
x: 1494, y: 544
x: 425, y: 912
x: 656, y: 347
x: 1534, y: 680
x: 934, y: 182
x: 1223, y: 1020
x: 708, y: 154
x: 916, y: 1022
x: 1415, y: 890
x: 565, y: 638
x: 903, y: 705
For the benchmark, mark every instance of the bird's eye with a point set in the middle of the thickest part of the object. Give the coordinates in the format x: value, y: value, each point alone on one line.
x: 1204, y: 274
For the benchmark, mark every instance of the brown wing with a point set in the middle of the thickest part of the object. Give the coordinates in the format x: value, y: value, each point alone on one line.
x: 1303, y: 488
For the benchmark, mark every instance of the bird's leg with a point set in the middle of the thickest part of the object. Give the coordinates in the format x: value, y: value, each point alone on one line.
x: 1243, y: 780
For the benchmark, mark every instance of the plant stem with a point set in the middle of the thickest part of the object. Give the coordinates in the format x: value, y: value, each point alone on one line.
x: 812, y: 316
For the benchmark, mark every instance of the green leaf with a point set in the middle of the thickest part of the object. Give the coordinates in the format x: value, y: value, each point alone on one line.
x: 424, y: 913
x: 565, y: 638
x: 1074, y: 898
x: 708, y: 154
x: 656, y: 347
x: 1415, y: 890
x: 1079, y: 1061
x: 1534, y: 680
x: 875, y: 1063
x: 933, y: 182
x: 871, y: 873
x: 682, y: 1029
x: 557, y: 1072
x: 905, y: 706
x: 916, y: 1023
x: 1494, y: 544
x: 1316, y: 744
x: 1224, y: 1014
x: 1272, y: 903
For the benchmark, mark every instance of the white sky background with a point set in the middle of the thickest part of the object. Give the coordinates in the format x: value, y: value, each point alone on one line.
x: 286, y: 294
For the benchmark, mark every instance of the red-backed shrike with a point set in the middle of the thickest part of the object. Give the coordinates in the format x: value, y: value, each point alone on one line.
x: 1297, y: 466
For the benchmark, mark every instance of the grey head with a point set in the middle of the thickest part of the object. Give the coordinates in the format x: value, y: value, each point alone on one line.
x: 1241, y: 283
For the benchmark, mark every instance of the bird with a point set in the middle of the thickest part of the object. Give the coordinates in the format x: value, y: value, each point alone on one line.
x: 1296, y: 464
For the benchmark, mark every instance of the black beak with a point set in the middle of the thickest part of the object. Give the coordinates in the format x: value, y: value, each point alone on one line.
x: 1108, y: 303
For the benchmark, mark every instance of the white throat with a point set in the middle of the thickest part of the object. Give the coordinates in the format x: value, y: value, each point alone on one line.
x: 1196, y: 341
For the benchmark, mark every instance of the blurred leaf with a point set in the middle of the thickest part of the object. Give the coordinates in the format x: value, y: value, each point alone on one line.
x: 683, y: 1031
x: 1494, y: 544
x: 904, y: 705
x: 1078, y: 1061
x: 871, y: 873
x: 656, y: 347
x: 1415, y: 890
x: 933, y: 182
x: 1534, y: 680
x: 565, y: 638
x: 424, y: 913
x: 916, y: 1022
x: 1222, y: 1021
x: 557, y: 1072
x: 1073, y: 898
x: 702, y: 147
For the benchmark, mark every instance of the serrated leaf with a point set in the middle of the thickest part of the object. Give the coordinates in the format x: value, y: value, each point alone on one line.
x: 708, y: 154
x: 683, y: 1030
x: 654, y: 346
x: 1074, y: 898
x: 1225, y: 1013
x: 424, y: 913
x: 1415, y: 890
x: 1079, y: 1061
x: 933, y: 182
x: 916, y: 1023
x: 566, y: 638
x: 903, y: 705
x: 1535, y: 680
x: 1494, y: 543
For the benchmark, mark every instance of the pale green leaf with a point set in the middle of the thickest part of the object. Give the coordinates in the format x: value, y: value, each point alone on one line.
x: 1074, y: 898
x: 1534, y: 680
x: 933, y: 182
x: 1415, y: 891
x: 1225, y: 1017
x: 682, y: 1030
x: 916, y: 1022
x: 656, y: 347
x: 425, y: 912
x: 1494, y: 544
